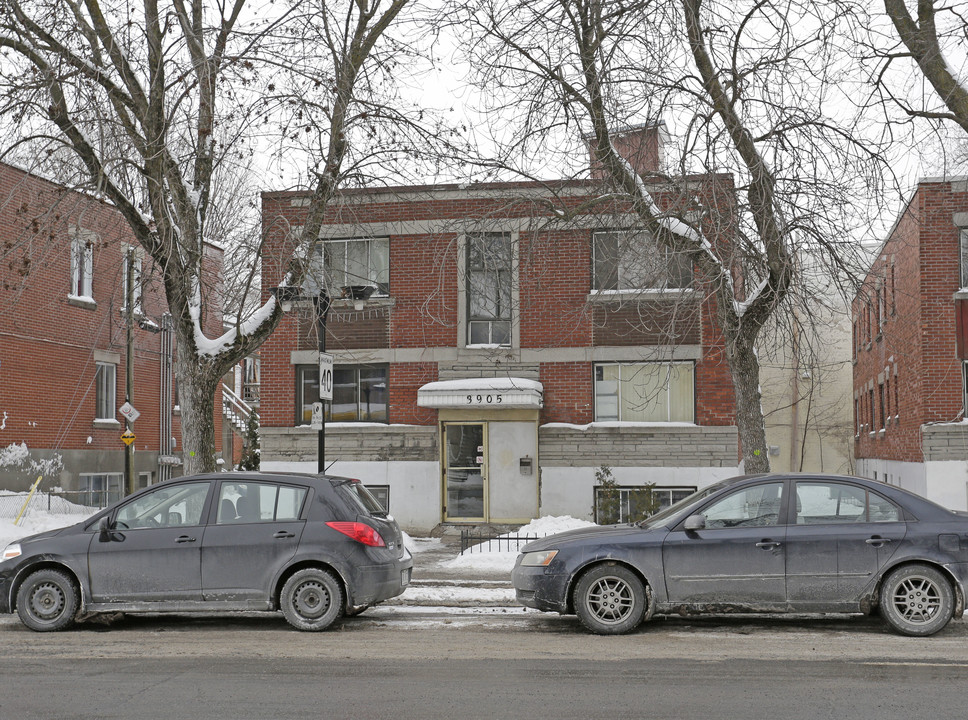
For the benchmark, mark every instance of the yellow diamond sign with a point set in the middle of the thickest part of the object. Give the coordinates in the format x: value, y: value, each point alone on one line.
x: 127, y: 437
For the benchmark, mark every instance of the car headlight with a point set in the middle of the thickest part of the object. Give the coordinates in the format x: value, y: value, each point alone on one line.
x: 539, y: 559
x: 11, y: 551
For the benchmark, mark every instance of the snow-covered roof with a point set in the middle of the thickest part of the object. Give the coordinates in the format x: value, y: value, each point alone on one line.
x: 501, y: 392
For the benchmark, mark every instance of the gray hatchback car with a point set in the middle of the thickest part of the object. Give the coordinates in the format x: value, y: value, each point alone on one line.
x: 315, y: 547
x: 762, y: 543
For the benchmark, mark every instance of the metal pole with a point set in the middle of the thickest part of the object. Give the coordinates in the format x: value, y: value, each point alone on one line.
x: 321, y: 303
x: 129, y: 369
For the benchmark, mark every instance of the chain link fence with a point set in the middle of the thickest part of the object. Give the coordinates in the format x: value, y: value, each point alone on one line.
x: 62, y: 502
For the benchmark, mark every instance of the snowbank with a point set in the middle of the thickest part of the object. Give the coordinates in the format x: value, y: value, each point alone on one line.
x: 481, y: 558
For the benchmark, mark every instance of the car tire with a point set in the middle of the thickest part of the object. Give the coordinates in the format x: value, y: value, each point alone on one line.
x: 916, y: 600
x: 48, y: 600
x: 311, y: 600
x: 610, y: 600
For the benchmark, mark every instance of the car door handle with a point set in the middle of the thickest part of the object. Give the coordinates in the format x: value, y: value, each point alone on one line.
x: 768, y: 544
x: 282, y: 534
x: 184, y: 539
x: 877, y: 541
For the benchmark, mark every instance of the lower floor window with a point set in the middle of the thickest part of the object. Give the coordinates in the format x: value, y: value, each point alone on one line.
x: 645, y: 392
x: 100, y: 490
x: 382, y: 494
x: 359, y: 393
x: 631, y: 503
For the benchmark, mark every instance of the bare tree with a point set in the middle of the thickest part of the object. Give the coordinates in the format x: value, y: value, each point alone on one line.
x: 153, y: 104
x: 934, y: 38
x: 754, y: 91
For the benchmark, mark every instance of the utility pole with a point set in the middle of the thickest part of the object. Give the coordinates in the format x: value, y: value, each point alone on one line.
x: 129, y: 477
x: 321, y: 303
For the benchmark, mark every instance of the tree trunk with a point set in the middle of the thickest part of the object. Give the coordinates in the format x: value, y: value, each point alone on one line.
x: 744, y: 367
x: 196, y: 400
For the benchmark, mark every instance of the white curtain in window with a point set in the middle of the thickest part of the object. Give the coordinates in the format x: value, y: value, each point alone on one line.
x: 645, y: 392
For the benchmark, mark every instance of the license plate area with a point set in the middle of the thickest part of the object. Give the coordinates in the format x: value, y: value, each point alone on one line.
x: 405, y: 576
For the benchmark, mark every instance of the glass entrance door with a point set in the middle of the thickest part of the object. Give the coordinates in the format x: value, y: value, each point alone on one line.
x: 465, y: 471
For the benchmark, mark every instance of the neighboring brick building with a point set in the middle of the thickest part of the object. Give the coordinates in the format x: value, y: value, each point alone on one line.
x: 909, y: 336
x: 63, y: 349
x: 514, y: 341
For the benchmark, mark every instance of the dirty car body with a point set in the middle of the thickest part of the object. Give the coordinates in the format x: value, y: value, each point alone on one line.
x: 313, y: 546
x: 763, y: 543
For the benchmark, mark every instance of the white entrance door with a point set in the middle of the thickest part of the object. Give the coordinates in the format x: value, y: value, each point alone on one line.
x: 465, y: 471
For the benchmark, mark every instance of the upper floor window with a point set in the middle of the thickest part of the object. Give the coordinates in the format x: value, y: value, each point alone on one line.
x: 632, y: 260
x: 963, y: 242
x: 82, y: 263
x: 354, y: 263
x: 489, y: 289
x: 105, y: 384
x: 360, y: 393
x: 645, y: 392
x: 133, y: 257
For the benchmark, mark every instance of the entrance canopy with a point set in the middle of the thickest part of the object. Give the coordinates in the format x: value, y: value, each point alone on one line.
x: 493, y: 393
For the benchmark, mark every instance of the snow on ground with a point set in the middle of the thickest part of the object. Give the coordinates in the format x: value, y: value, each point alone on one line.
x: 33, y: 524
x: 482, y: 558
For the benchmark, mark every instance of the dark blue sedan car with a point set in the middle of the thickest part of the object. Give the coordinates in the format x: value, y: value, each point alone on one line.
x: 313, y: 546
x: 765, y: 543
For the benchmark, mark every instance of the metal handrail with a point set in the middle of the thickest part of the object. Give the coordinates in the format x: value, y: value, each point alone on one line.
x: 232, y: 402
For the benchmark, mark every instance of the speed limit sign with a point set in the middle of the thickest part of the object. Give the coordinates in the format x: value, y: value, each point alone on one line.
x: 325, y: 376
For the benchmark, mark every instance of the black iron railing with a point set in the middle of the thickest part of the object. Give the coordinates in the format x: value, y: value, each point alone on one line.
x: 482, y: 541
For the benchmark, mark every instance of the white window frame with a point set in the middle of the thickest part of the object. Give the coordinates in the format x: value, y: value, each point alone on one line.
x: 963, y: 247
x: 105, y: 391
x: 82, y: 263
x: 505, y: 284
x: 667, y: 496
x: 136, y: 256
x: 335, y: 282
x: 627, y: 374
x: 100, y: 489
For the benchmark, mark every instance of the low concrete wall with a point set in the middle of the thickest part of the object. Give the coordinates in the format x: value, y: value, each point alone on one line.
x: 638, y: 445
x: 948, y: 441
x: 347, y: 442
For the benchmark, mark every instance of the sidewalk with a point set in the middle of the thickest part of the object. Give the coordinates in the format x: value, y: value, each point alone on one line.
x: 444, y: 578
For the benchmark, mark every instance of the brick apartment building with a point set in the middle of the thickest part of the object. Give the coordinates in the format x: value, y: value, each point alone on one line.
x: 910, y: 352
x: 503, y: 344
x: 63, y: 345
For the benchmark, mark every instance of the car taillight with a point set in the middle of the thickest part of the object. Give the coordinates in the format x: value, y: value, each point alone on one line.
x: 360, y: 532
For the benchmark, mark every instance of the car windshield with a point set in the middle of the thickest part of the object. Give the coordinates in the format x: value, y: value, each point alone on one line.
x: 676, y: 511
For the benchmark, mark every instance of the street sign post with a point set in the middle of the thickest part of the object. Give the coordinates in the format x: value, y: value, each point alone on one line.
x: 325, y: 376
x: 129, y: 412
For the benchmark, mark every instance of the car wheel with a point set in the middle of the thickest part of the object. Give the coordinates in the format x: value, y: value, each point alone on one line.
x: 917, y: 600
x: 48, y: 600
x: 610, y: 600
x: 312, y: 600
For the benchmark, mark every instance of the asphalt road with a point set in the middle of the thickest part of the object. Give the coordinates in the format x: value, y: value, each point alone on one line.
x: 408, y: 663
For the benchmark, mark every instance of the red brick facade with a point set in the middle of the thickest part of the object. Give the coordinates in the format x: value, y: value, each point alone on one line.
x: 555, y: 307
x: 50, y: 340
x: 907, y: 370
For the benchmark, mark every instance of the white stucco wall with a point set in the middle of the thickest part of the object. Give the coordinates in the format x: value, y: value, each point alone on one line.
x: 569, y: 490
x: 414, y: 487
x: 942, y: 481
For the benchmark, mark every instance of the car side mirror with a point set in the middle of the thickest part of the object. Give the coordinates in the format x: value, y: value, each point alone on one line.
x: 694, y: 522
x: 104, y: 529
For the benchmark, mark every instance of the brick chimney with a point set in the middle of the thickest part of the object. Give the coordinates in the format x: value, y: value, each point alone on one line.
x: 641, y: 146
